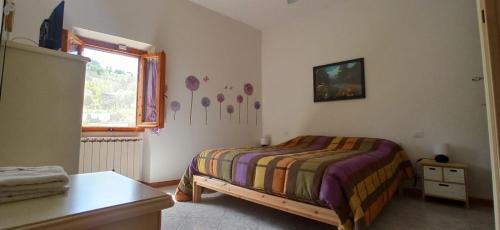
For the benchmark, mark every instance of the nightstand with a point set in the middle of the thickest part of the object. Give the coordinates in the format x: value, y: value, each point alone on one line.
x: 445, y: 180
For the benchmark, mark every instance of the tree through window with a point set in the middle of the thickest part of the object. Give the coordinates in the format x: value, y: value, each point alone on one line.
x: 110, y: 89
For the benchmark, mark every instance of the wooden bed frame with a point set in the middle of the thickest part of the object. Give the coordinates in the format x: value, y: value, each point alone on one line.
x: 324, y: 215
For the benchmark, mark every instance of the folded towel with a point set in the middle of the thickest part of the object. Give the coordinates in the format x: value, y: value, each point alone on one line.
x: 7, y: 199
x: 20, y: 176
x: 35, y: 191
x: 37, y: 187
x: 22, y: 183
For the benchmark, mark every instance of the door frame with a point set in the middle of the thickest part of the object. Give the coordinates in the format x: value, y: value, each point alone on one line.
x: 488, y: 18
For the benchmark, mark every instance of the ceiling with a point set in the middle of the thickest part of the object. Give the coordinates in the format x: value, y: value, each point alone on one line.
x: 263, y: 14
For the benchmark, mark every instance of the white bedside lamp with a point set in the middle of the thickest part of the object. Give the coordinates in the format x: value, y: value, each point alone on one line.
x: 442, y: 151
x: 265, y: 141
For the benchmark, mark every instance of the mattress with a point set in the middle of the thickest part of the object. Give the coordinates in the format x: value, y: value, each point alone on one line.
x: 354, y: 176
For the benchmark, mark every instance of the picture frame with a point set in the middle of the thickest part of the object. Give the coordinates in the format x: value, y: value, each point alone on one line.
x: 339, y: 81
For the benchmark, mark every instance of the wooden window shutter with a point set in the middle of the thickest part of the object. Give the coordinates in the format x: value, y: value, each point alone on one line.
x: 151, y: 91
x: 72, y: 43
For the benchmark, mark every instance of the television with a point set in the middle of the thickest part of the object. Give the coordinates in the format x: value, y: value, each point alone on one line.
x: 52, y: 28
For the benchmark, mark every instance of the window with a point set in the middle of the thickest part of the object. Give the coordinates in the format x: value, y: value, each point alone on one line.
x: 110, y: 89
x: 124, y: 87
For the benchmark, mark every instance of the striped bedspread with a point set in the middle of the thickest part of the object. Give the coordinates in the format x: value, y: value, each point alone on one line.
x: 354, y: 176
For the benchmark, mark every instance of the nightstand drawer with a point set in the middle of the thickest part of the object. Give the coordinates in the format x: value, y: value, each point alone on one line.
x: 454, y: 175
x: 433, y: 173
x: 445, y: 190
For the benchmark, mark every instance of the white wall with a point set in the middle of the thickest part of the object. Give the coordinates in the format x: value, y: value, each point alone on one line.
x: 420, y: 56
x: 197, y: 42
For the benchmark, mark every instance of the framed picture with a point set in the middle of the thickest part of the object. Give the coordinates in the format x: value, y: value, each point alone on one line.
x: 339, y: 81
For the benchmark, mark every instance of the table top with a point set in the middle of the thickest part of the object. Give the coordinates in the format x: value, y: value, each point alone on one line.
x: 429, y: 162
x: 88, y: 192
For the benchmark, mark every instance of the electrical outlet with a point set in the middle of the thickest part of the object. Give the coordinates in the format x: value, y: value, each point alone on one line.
x: 418, y: 134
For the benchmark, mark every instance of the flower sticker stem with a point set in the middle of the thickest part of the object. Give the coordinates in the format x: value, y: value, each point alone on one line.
x: 248, y: 88
x: 192, y: 83
x: 239, y: 99
x: 220, y: 99
x: 257, y: 106
x: 230, y: 110
x: 175, y: 106
x: 205, y: 102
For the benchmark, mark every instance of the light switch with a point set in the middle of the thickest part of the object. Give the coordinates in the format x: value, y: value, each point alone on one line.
x: 418, y: 134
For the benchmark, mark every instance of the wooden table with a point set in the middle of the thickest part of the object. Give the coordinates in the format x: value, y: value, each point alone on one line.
x: 103, y: 200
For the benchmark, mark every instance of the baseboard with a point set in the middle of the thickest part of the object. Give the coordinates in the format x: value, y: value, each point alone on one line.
x: 481, y: 202
x: 416, y: 192
x: 162, y: 183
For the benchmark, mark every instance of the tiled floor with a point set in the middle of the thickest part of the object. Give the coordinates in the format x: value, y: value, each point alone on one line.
x: 222, y: 212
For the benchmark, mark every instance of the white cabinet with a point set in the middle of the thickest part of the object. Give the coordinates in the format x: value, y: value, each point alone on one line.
x: 445, y: 180
x: 454, y: 175
x: 41, y: 107
x: 445, y: 190
x: 433, y: 173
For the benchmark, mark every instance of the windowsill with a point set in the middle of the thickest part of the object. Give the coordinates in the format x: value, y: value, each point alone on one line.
x: 110, y: 129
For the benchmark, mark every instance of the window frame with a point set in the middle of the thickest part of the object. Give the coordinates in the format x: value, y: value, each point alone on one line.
x: 83, y: 42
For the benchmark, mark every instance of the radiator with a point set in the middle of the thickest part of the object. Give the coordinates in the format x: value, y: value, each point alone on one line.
x: 122, y: 155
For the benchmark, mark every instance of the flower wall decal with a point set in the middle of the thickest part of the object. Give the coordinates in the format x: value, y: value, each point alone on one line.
x: 257, y: 106
x: 155, y: 131
x: 230, y: 110
x: 239, y: 99
x: 220, y: 99
x: 175, y: 106
x: 192, y: 83
x: 248, y: 89
x: 205, y: 102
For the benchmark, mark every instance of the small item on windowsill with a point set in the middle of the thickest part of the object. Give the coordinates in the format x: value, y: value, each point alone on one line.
x: 22, y: 183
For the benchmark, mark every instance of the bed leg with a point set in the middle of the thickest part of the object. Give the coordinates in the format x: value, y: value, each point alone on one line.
x: 196, y: 192
x: 400, y: 190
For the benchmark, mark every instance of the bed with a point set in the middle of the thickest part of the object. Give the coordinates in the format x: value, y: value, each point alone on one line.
x: 342, y: 181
